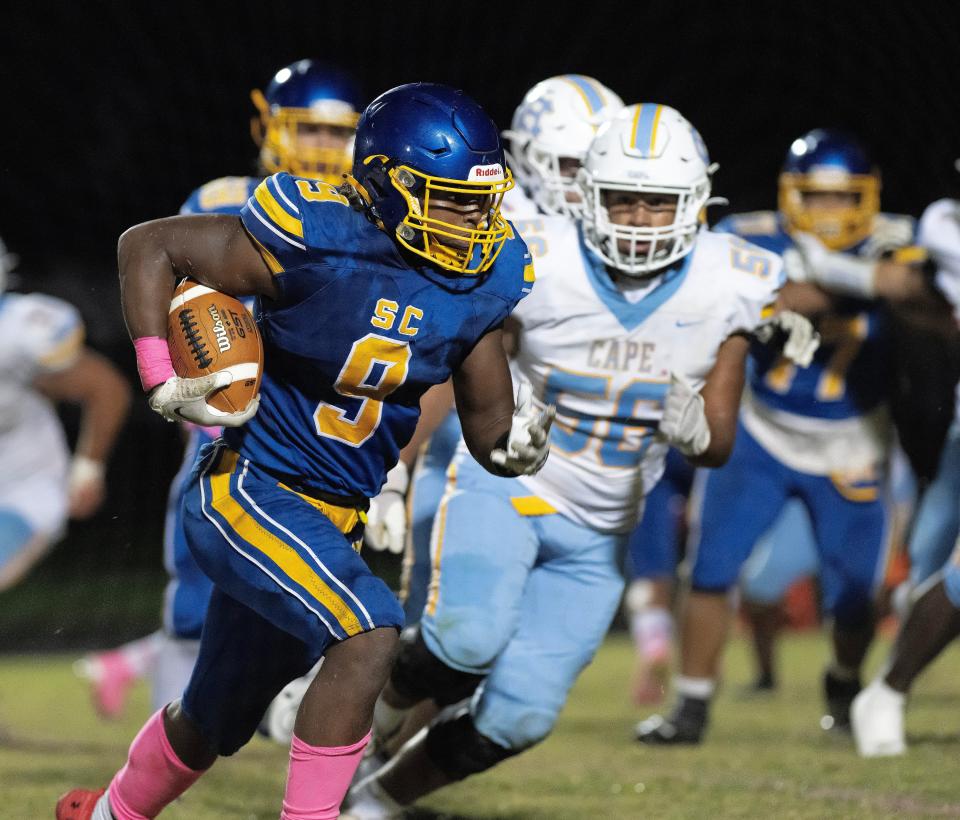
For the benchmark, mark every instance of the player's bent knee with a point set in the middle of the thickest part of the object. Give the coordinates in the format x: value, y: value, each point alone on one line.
x: 418, y: 674
x: 528, y: 725
x: 470, y: 643
x: 455, y: 746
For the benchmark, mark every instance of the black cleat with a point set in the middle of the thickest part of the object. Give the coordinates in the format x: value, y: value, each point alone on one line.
x: 839, y: 695
x: 685, y: 725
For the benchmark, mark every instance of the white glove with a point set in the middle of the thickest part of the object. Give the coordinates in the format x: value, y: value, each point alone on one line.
x: 387, y: 517
x: 528, y: 442
x: 684, y: 421
x: 812, y: 261
x: 179, y: 399
x: 802, y: 340
x: 888, y: 235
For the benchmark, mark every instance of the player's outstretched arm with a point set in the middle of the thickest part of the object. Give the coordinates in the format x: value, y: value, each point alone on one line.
x: 104, y: 397
x: 214, y: 249
x: 505, y: 439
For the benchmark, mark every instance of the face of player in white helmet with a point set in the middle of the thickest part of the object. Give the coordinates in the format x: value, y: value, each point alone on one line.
x: 636, y: 209
x: 646, y: 181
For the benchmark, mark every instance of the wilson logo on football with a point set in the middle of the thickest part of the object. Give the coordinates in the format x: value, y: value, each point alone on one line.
x: 219, y: 331
x: 486, y: 172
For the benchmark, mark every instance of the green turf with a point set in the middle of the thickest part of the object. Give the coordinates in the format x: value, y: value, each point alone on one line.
x: 763, y: 757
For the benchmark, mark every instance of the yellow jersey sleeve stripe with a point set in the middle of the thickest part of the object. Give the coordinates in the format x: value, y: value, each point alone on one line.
x: 64, y: 352
x: 276, y: 549
x: 528, y: 274
x: 276, y: 212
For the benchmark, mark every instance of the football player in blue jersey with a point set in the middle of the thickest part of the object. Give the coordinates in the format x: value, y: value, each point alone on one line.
x: 367, y: 294
x: 819, y: 434
x: 305, y: 124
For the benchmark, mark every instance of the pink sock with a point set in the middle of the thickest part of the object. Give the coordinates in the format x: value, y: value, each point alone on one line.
x: 318, y: 779
x: 152, y: 777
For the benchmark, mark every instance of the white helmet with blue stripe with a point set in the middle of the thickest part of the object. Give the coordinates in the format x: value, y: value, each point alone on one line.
x: 549, y: 135
x: 649, y: 149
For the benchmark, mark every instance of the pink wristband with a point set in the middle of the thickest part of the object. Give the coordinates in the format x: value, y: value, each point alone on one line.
x: 153, y: 361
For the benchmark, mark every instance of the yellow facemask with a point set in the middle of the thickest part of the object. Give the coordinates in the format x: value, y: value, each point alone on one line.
x: 837, y: 228
x: 453, y: 247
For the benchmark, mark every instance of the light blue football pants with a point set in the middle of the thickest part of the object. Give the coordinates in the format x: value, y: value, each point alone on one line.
x: 524, y: 599
x: 938, y: 517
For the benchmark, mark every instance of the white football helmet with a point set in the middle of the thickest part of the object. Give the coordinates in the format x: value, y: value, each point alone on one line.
x: 557, y: 119
x: 648, y: 148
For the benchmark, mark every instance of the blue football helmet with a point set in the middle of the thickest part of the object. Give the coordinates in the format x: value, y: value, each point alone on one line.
x: 422, y: 147
x: 829, y: 161
x: 307, y: 118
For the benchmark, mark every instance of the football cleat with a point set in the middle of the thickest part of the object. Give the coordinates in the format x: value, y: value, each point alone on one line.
x: 839, y: 694
x: 78, y: 804
x: 876, y: 718
x: 111, y: 679
x: 685, y: 725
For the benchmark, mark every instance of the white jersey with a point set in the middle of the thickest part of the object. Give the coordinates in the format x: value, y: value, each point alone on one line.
x: 939, y: 233
x: 38, y: 334
x: 517, y: 205
x: 604, y: 357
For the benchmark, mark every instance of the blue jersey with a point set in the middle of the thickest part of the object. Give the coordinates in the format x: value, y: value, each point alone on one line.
x: 358, y: 333
x: 226, y: 195
x: 848, y: 376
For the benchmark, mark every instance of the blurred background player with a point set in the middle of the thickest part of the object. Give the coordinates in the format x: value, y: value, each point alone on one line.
x: 635, y: 330
x: 305, y: 125
x: 933, y: 620
x: 43, y: 360
x: 820, y: 434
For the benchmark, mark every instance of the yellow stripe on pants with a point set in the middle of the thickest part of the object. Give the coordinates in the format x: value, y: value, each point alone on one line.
x: 275, y: 548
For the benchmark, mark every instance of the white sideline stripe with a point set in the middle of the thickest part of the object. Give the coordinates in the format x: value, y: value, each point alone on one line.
x: 310, y: 552
x: 180, y: 299
x: 294, y: 593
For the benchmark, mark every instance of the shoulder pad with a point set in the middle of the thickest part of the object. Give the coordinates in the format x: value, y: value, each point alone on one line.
x: 754, y: 223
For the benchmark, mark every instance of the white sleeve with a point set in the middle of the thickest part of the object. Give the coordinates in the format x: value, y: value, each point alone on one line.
x: 940, y: 234
x: 754, y: 294
x: 52, y: 333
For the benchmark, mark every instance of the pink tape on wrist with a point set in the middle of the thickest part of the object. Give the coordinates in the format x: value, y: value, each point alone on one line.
x: 153, y: 361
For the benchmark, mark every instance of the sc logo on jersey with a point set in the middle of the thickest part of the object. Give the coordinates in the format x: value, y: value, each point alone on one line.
x: 385, y: 315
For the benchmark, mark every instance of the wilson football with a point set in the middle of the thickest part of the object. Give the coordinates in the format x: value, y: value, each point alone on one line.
x: 209, y: 331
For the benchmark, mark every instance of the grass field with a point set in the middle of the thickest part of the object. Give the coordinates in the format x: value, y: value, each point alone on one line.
x: 763, y: 757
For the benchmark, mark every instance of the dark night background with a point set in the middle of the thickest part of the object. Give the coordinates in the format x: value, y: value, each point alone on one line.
x: 115, y: 111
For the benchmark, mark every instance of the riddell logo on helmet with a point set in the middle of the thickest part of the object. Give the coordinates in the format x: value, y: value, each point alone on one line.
x: 486, y: 172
